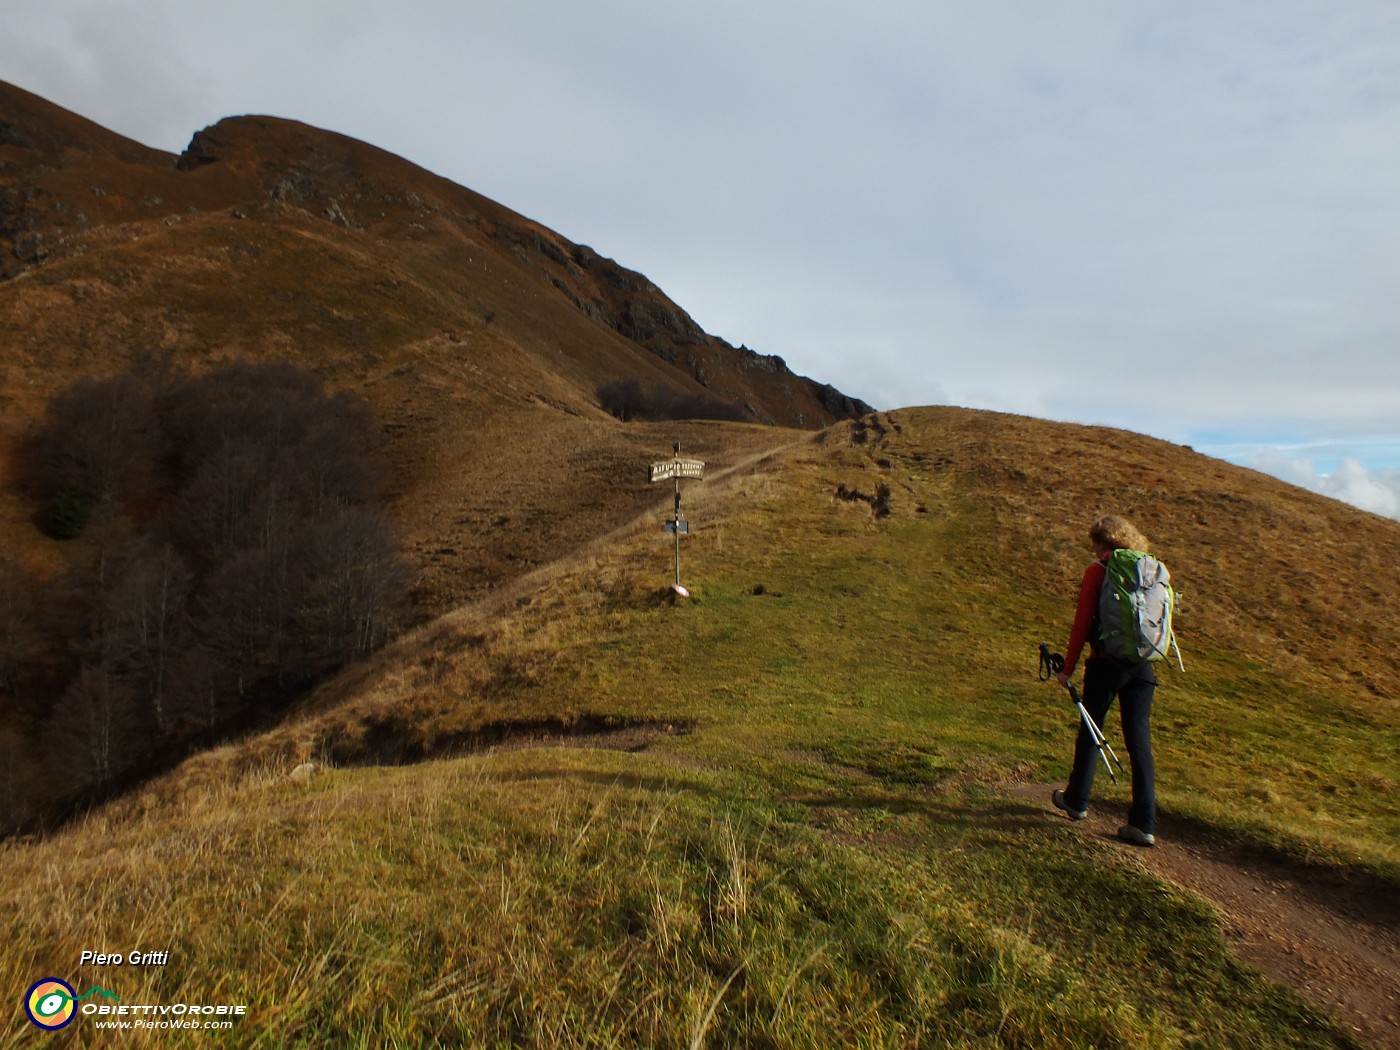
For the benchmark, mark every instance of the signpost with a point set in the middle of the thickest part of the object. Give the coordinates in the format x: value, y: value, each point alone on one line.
x: 677, y: 468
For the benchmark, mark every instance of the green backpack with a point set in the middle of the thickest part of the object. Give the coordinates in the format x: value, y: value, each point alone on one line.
x: 1135, y: 608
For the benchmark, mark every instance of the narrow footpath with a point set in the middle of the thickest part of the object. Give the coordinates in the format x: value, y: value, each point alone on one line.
x: 1332, y: 936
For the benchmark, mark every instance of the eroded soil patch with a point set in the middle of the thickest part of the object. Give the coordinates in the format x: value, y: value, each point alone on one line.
x: 1331, y: 935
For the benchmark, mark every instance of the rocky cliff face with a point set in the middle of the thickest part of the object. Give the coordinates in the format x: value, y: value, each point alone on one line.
x: 68, y: 186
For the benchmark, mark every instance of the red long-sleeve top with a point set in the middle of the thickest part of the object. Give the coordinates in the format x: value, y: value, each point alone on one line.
x: 1084, y: 614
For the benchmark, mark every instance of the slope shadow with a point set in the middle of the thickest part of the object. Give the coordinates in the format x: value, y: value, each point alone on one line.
x: 393, y: 742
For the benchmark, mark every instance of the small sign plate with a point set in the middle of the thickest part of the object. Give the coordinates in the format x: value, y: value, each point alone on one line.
x: 678, y: 468
x: 682, y: 526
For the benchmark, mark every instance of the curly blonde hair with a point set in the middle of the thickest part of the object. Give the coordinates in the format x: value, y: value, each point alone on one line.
x: 1117, y: 533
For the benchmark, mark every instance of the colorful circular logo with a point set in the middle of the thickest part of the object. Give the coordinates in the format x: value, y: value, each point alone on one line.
x: 50, y: 1003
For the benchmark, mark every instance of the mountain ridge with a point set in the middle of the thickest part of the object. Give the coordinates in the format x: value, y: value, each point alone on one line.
x: 479, y: 337
x: 242, y: 163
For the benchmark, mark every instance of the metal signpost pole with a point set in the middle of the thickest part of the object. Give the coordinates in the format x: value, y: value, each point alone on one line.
x: 676, y: 519
x: 678, y: 468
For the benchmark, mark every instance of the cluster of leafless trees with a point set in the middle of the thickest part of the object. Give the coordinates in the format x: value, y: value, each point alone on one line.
x: 625, y: 399
x: 224, y: 548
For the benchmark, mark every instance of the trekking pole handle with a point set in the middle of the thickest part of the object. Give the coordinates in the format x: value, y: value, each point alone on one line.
x: 1051, y: 664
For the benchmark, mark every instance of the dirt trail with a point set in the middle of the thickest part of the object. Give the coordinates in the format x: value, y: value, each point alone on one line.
x: 1332, y: 936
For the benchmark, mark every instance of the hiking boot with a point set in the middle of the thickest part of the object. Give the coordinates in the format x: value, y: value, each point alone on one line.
x: 1136, y: 836
x: 1058, y: 797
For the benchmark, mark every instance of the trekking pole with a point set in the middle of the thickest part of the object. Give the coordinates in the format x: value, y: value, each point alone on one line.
x: 1100, y: 741
x: 1053, y: 664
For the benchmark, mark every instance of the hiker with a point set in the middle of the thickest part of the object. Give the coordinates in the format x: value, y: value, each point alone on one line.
x: 1105, y: 677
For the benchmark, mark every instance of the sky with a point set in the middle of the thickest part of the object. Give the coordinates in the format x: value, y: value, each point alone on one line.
x: 1181, y: 219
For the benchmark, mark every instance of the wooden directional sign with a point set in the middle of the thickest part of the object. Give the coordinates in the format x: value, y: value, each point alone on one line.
x: 677, y: 468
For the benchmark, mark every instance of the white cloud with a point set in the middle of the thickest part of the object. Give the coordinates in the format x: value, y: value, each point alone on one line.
x: 113, y: 61
x: 1375, y: 490
x: 1009, y: 205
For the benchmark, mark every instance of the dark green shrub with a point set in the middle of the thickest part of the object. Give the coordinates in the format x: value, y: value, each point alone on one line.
x: 67, y: 515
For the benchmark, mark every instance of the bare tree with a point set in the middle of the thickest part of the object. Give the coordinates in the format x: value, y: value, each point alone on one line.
x: 148, y: 617
x: 213, y: 516
x: 333, y: 466
x: 270, y: 403
x: 200, y: 684
x: 237, y: 618
x: 226, y: 550
x: 16, y: 779
x: 96, y: 446
x: 96, y: 724
x: 625, y: 399
x: 354, y: 580
x: 16, y: 613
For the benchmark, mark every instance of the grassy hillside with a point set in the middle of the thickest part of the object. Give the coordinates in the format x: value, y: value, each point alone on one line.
x: 478, y: 337
x: 783, y: 819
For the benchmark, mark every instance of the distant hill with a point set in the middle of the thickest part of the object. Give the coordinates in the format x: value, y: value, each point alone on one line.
x: 480, y: 338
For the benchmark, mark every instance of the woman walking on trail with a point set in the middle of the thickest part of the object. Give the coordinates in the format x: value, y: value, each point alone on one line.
x: 1104, y: 678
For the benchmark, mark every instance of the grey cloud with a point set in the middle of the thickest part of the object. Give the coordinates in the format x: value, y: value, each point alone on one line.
x: 985, y: 203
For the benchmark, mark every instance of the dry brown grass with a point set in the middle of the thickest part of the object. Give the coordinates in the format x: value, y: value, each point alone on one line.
x: 473, y: 332
x: 1292, y: 579
x: 824, y: 836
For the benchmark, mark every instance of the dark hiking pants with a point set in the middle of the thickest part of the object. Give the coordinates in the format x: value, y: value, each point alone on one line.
x: 1133, y: 685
